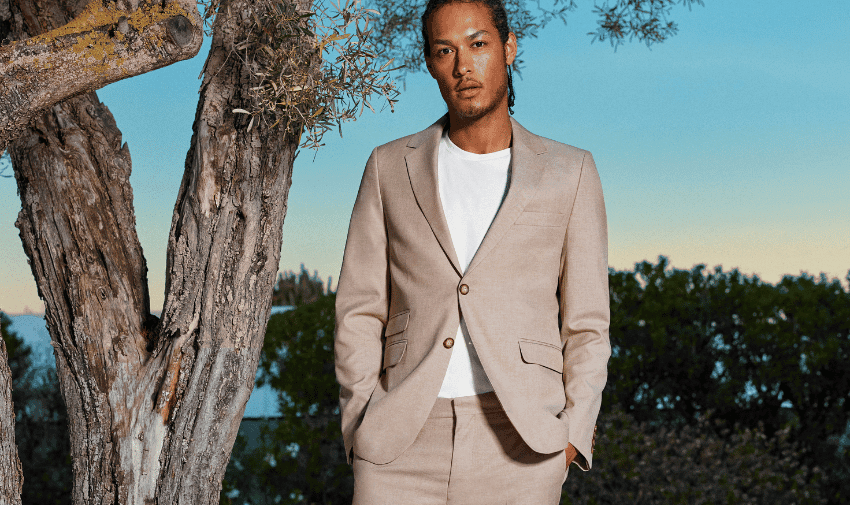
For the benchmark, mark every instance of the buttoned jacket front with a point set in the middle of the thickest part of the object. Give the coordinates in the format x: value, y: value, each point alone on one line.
x: 534, y: 297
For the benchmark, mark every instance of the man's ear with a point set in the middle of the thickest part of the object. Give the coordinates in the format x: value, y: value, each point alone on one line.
x: 510, y: 49
x: 428, y: 66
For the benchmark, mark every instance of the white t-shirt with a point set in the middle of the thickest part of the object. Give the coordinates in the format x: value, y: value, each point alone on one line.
x: 472, y: 187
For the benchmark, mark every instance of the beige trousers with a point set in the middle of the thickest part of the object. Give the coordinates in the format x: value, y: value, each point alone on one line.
x: 468, y: 453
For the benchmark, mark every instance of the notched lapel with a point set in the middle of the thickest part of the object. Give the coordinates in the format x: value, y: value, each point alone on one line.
x: 422, y: 170
x: 526, y: 170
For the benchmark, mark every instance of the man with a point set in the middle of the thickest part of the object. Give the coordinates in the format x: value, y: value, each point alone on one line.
x: 472, y: 311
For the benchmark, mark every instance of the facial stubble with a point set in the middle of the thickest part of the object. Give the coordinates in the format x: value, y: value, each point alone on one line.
x: 473, y: 111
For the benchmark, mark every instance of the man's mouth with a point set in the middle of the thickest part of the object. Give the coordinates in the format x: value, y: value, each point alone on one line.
x: 467, y: 92
x: 466, y: 86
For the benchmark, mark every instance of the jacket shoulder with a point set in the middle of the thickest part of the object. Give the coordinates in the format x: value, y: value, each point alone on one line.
x: 398, y: 145
x: 544, y: 145
x: 561, y: 150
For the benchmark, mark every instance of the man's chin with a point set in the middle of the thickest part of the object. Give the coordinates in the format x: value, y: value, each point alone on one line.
x: 470, y: 112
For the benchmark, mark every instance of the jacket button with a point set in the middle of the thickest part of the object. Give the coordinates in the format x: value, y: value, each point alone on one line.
x: 448, y: 343
x: 464, y: 289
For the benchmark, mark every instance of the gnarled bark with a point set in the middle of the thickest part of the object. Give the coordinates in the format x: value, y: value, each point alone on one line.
x: 106, y: 42
x: 11, y: 474
x: 78, y: 231
x: 223, y: 254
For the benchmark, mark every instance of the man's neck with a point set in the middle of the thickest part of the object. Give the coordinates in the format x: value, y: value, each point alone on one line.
x: 488, y: 134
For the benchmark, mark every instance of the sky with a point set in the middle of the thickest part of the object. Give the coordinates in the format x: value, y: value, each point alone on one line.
x: 725, y: 145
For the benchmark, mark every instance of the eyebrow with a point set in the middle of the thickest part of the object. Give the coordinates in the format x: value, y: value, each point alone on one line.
x: 468, y: 37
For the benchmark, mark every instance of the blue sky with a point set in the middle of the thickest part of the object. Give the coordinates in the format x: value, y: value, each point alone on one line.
x: 726, y: 145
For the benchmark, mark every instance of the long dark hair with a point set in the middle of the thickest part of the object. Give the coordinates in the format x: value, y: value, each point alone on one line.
x: 500, y: 19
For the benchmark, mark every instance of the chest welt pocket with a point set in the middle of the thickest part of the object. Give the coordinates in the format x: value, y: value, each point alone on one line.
x: 543, y: 354
x: 541, y: 218
x: 395, y: 346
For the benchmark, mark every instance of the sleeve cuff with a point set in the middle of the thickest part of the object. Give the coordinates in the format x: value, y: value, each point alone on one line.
x: 581, y: 461
x: 584, y: 454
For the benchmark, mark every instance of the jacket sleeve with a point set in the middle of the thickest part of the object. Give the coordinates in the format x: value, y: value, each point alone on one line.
x: 362, y: 302
x: 585, y: 312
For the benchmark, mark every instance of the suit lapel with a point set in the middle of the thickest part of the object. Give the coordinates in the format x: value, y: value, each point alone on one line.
x: 525, y: 173
x: 526, y: 169
x: 422, y: 170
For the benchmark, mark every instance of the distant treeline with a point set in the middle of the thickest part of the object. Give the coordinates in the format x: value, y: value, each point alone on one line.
x: 723, y: 389
x: 686, y: 343
x: 298, y: 289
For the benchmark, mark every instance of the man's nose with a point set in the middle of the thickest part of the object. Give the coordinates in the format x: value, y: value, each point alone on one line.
x: 463, y: 63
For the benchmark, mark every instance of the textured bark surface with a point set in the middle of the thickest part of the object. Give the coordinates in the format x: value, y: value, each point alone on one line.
x: 104, y: 43
x: 11, y: 474
x: 153, y: 407
x: 78, y: 231
x: 223, y: 254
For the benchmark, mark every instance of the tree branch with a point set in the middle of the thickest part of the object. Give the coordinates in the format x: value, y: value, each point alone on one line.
x: 102, y: 45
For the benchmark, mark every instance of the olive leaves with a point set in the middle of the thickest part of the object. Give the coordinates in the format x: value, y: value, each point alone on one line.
x: 314, y: 69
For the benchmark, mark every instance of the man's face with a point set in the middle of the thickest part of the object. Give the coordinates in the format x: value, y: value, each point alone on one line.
x: 468, y: 60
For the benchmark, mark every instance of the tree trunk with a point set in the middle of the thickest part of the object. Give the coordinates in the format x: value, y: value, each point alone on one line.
x: 154, y: 407
x: 222, y: 261
x: 78, y: 231
x: 104, y: 43
x: 11, y: 474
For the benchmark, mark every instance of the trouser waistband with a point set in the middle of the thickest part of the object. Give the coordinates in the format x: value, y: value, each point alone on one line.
x: 466, y: 405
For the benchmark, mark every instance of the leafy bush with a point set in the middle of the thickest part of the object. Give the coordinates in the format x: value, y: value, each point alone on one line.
x: 643, y: 463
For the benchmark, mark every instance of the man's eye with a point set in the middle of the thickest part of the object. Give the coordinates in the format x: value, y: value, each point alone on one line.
x: 478, y: 43
x: 444, y: 50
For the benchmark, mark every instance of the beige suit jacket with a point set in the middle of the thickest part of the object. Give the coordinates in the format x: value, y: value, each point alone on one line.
x: 534, y: 297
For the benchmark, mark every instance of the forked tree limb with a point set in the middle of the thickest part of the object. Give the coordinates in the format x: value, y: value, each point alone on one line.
x: 104, y: 44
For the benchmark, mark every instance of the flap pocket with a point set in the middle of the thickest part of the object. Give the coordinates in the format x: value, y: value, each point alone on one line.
x: 397, y: 323
x: 543, y: 354
x: 541, y: 218
x: 394, y: 352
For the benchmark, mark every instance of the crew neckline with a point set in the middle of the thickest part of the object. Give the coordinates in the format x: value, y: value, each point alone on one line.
x: 457, y: 151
